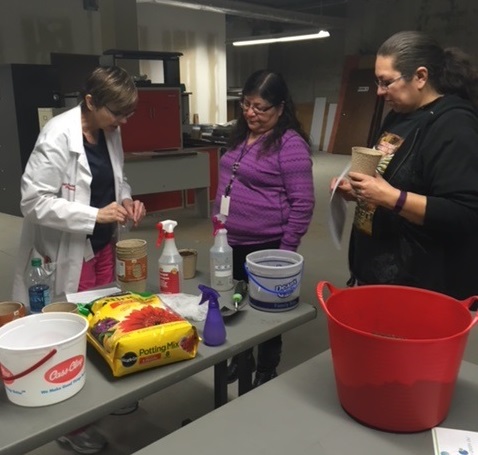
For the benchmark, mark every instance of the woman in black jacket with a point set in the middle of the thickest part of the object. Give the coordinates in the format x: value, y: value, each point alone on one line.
x: 416, y: 220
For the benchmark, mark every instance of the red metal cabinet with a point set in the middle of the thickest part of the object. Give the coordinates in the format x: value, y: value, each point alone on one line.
x: 156, y: 124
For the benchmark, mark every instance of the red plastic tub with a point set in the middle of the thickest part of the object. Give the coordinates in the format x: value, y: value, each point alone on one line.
x: 396, y: 352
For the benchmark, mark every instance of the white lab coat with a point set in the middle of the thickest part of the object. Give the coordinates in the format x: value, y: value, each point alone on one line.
x: 55, y: 201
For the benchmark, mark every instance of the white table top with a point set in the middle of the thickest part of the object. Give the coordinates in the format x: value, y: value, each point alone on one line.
x: 103, y: 394
x: 299, y: 413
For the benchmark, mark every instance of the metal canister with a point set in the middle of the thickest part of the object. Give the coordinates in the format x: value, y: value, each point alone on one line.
x: 131, y: 265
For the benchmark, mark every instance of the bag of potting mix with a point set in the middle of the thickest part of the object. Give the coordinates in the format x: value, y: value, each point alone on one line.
x: 133, y: 332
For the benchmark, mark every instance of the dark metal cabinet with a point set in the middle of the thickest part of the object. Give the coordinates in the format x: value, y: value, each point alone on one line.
x: 23, y: 89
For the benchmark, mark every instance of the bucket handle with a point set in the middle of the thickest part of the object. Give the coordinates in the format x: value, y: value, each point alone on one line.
x: 468, y: 303
x: 30, y: 369
x: 272, y: 291
x: 320, y: 293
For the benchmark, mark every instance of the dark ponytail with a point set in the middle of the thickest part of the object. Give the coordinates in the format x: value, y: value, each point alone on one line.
x: 459, y: 76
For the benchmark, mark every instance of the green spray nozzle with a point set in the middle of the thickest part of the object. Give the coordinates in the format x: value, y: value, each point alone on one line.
x: 84, y: 310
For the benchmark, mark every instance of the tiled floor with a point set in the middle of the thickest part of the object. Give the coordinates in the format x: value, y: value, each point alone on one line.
x: 164, y: 412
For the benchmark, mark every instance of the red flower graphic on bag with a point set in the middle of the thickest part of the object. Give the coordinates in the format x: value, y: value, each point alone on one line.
x: 188, y: 343
x: 148, y: 316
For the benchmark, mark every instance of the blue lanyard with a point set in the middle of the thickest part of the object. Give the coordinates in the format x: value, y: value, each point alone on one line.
x: 235, y: 167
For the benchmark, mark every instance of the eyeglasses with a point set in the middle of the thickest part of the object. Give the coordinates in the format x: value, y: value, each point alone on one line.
x: 258, y: 110
x: 385, y: 84
x: 119, y: 115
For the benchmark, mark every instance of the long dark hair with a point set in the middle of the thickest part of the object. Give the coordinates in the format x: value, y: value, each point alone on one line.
x: 271, y: 87
x: 450, y: 70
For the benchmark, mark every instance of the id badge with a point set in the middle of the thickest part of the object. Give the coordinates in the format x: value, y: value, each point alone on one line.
x: 225, y: 201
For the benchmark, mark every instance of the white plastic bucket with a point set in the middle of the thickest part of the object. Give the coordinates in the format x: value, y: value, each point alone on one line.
x: 274, y: 279
x: 42, y: 358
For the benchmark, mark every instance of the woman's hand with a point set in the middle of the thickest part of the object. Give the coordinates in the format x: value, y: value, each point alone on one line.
x: 135, y: 209
x: 112, y: 213
x: 344, y: 189
x: 375, y: 190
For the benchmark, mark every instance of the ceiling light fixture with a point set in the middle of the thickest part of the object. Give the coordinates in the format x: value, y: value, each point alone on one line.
x: 252, y: 11
x: 281, y: 38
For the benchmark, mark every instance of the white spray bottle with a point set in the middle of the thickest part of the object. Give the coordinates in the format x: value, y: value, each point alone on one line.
x: 220, y: 258
x: 170, y: 262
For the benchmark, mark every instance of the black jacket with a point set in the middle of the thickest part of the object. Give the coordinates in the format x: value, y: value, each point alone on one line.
x: 438, y: 159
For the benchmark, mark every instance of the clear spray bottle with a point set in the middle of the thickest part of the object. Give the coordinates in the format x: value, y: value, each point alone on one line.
x: 214, y: 329
x: 220, y: 258
x: 170, y: 263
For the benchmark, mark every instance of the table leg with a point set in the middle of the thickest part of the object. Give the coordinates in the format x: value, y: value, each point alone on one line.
x: 220, y: 384
x: 244, y: 373
x: 202, y: 202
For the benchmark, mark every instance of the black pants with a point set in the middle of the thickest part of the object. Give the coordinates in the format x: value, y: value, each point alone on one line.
x: 269, y: 352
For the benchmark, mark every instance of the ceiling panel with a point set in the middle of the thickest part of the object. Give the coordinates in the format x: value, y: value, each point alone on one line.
x: 319, y: 13
x: 325, y: 14
x: 336, y: 8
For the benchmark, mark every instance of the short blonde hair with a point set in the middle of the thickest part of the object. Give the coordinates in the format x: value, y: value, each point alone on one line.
x: 113, y: 87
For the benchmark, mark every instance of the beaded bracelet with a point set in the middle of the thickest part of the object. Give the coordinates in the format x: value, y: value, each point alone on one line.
x: 400, y: 202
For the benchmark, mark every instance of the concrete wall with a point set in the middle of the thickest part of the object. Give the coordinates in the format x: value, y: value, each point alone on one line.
x: 31, y: 29
x: 453, y: 22
x: 311, y: 68
x: 201, y: 37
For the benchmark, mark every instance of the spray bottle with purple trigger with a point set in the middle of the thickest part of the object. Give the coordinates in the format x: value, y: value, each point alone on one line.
x: 214, y: 329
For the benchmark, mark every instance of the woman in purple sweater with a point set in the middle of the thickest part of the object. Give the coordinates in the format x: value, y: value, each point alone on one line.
x: 266, y: 188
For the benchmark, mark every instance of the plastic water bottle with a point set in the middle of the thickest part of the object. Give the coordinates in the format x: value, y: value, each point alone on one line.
x: 220, y: 258
x: 38, y: 286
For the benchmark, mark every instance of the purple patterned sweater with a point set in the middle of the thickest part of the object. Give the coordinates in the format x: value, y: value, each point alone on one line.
x: 272, y: 196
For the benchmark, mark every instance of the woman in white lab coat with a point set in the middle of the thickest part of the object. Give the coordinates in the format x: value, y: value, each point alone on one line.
x: 57, y: 183
x: 74, y: 193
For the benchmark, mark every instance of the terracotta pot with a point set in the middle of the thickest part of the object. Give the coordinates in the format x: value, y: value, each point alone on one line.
x: 365, y: 160
x: 10, y: 311
x: 63, y: 307
x: 189, y: 256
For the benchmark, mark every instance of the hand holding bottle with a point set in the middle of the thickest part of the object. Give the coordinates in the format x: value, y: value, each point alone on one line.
x: 112, y: 213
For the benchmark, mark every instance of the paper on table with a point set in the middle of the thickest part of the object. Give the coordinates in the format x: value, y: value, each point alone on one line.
x: 451, y: 441
x: 89, y: 296
x: 186, y: 305
x: 337, y: 212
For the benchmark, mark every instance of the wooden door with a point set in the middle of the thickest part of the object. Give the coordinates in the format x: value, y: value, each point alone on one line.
x: 357, y: 116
